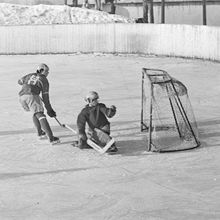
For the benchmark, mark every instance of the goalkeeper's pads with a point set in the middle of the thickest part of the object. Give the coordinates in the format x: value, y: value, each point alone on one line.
x: 100, y: 141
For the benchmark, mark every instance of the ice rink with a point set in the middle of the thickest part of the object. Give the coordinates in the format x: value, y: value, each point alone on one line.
x: 43, y: 182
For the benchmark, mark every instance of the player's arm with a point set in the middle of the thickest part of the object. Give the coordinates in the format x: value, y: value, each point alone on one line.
x: 81, y: 123
x: 45, y: 97
x: 23, y: 79
x: 109, y: 112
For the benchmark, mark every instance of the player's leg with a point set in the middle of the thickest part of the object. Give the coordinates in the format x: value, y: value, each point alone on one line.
x: 106, y: 129
x: 36, y: 106
x: 101, y: 137
x: 40, y: 132
x: 46, y: 127
x: 25, y: 101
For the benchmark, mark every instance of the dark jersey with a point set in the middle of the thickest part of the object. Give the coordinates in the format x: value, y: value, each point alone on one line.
x: 34, y: 84
x: 95, y: 116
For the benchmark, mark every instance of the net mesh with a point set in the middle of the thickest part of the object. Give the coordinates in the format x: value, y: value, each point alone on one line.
x: 167, y: 114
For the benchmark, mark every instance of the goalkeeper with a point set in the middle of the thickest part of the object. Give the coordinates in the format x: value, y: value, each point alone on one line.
x: 95, y: 115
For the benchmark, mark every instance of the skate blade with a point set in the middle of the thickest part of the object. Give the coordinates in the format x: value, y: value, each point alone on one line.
x: 75, y: 144
x: 42, y: 137
x: 55, y: 142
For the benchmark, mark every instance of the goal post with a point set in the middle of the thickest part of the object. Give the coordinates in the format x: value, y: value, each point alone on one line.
x: 166, y: 113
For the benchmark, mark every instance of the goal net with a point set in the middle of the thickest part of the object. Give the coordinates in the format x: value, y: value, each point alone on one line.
x: 166, y: 113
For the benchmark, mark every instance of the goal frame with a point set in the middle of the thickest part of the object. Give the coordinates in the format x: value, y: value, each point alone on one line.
x: 148, y: 128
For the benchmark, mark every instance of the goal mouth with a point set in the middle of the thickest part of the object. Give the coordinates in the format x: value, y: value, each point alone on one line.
x: 166, y: 113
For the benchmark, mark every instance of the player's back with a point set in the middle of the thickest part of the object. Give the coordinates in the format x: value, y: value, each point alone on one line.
x: 32, y: 84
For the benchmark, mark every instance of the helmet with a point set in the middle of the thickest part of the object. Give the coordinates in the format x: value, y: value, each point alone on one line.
x: 91, y: 96
x: 42, y: 67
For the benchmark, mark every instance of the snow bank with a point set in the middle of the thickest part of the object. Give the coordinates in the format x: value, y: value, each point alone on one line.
x: 11, y: 14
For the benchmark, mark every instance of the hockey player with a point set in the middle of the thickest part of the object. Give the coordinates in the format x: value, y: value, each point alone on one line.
x: 33, y: 85
x: 94, y: 114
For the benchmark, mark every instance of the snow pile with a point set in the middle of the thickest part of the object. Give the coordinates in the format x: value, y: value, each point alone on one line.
x: 11, y: 14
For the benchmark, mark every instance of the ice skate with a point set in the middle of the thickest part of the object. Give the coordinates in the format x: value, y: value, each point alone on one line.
x: 54, y: 141
x: 113, y: 149
x: 42, y: 136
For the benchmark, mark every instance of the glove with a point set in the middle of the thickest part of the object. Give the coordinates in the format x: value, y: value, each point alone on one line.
x: 51, y: 113
x: 82, y: 142
x: 113, y: 108
x: 111, y: 111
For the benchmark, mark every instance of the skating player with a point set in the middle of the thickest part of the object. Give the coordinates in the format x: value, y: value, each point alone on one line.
x: 34, y: 85
x: 95, y: 115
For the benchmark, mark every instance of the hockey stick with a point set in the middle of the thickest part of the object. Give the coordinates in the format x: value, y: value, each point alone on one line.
x: 65, y: 126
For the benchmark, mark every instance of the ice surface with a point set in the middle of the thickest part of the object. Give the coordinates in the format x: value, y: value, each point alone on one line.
x: 40, y: 181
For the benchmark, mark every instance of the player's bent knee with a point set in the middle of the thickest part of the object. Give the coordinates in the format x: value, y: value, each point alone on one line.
x: 40, y: 115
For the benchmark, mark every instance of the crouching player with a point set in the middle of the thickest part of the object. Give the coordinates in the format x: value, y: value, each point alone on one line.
x: 95, y: 115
